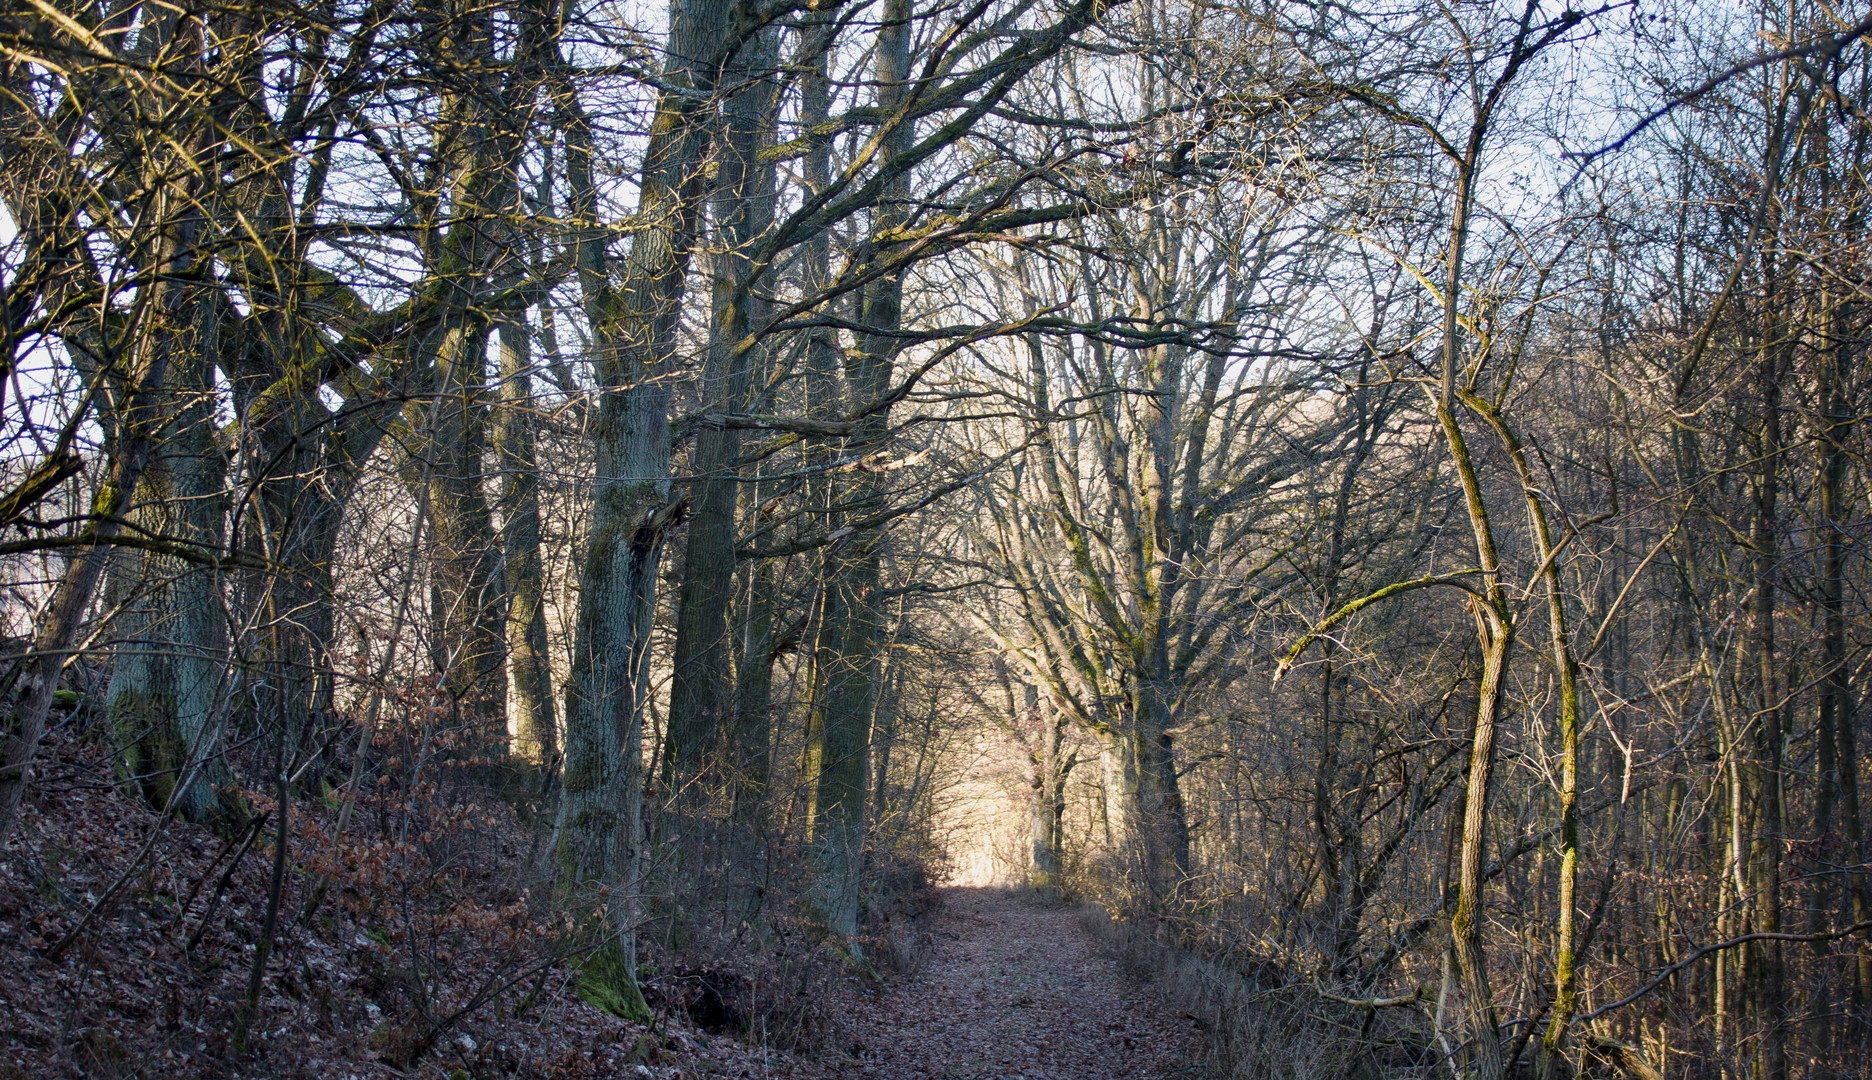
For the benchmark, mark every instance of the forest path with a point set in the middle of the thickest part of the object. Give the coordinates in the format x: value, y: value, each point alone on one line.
x: 1014, y: 989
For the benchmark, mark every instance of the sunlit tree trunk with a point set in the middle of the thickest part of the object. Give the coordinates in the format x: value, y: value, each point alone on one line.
x: 1495, y: 631
x: 824, y: 395
x: 522, y: 570
x: 1051, y: 767
x: 1566, y: 988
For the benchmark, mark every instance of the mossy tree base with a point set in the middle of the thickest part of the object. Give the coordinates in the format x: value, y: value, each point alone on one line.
x: 607, y: 982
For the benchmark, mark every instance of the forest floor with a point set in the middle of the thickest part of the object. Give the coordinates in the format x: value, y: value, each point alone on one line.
x: 1017, y: 989
x: 985, y: 983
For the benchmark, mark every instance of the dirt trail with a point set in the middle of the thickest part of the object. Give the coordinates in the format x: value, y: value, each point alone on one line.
x: 1013, y: 989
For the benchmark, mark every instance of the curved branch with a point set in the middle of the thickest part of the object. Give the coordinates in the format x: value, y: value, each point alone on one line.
x: 1720, y: 946
x: 1396, y: 588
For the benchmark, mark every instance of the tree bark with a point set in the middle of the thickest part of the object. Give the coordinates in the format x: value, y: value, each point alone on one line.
x: 169, y: 680
x: 701, y: 702
x: 1770, y: 1001
x: 470, y: 648
x: 523, y: 571
x: 634, y: 334
x: 847, y: 660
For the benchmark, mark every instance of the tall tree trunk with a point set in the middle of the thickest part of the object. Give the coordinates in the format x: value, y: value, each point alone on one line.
x: 701, y: 705
x: 1771, y: 1003
x: 824, y: 397
x: 1495, y: 631
x: 845, y: 670
x: 1050, y: 769
x: 1839, y: 771
x: 169, y: 680
x: 523, y: 570
x: 1566, y: 988
x: 514, y: 428
x: 634, y: 334
x: 853, y: 565
x: 465, y: 578
x: 139, y: 422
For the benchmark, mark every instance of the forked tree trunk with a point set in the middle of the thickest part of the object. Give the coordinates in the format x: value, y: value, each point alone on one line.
x: 1566, y: 988
x: 1495, y: 630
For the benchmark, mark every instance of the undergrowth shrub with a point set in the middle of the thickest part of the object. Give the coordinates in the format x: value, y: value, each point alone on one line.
x: 449, y: 917
x: 730, y: 940
x: 1264, y: 1029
